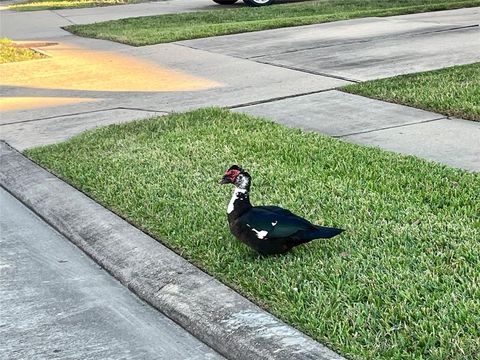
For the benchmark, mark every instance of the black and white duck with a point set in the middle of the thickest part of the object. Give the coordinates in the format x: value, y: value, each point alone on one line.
x: 267, y: 229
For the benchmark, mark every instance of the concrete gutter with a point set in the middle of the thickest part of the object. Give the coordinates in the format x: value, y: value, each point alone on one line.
x: 211, y: 311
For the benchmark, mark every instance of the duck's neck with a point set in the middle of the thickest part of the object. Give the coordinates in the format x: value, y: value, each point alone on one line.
x: 239, y: 203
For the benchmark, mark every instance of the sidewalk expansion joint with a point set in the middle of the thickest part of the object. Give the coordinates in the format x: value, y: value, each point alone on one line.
x: 271, y: 64
x: 63, y: 17
x: 389, y: 127
x: 308, y: 48
x: 146, y: 110
x: 266, y: 101
x: 360, y: 41
x: 79, y: 113
x: 456, y: 28
x: 313, y: 72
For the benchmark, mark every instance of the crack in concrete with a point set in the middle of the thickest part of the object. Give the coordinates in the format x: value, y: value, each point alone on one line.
x: 160, y: 288
x: 389, y: 127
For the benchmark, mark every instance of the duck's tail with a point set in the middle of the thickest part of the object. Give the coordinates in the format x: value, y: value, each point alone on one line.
x: 320, y: 232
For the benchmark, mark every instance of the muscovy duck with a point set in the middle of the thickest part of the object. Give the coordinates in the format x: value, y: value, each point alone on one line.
x: 267, y: 229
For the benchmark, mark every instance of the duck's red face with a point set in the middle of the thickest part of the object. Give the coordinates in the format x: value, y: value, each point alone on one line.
x: 230, y: 175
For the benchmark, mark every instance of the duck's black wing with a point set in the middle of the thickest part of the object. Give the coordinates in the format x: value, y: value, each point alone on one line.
x: 273, y: 222
x: 276, y: 210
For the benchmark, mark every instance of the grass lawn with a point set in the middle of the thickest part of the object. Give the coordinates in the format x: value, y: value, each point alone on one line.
x: 453, y: 91
x: 31, y: 5
x: 174, y: 27
x: 401, y: 283
x: 11, y: 53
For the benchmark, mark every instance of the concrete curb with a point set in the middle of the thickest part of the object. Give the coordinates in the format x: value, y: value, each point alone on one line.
x: 211, y: 311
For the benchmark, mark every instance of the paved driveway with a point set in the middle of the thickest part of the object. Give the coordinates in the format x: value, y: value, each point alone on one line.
x: 288, y: 75
x: 361, y: 49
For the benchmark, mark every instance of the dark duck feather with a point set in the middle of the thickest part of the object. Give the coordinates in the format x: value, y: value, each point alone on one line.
x: 267, y: 229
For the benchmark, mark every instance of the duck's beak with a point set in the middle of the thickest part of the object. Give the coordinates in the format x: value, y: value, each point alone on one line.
x: 224, y: 180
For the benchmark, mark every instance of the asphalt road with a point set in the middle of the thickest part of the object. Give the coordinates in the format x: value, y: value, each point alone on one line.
x: 56, y: 303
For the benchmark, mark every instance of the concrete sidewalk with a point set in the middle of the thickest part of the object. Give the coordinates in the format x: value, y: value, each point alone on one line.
x: 287, y: 75
x: 371, y: 122
x: 361, y: 49
x: 41, y: 24
x: 56, y: 303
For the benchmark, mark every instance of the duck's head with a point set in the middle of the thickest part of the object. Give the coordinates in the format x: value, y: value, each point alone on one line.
x: 237, y: 176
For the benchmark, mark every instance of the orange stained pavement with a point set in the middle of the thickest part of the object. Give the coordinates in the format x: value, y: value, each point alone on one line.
x: 32, y: 102
x: 70, y: 67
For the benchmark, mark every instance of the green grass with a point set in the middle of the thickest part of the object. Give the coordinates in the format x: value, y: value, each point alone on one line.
x: 34, y: 5
x: 10, y: 53
x: 401, y: 283
x: 174, y: 27
x: 453, y: 91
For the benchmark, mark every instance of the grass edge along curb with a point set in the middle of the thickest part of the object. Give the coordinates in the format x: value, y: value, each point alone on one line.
x: 381, y: 290
x: 209, y: 310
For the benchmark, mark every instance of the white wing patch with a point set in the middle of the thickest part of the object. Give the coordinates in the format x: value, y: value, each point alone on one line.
x: 260, y: 234
x: 274, y: 223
